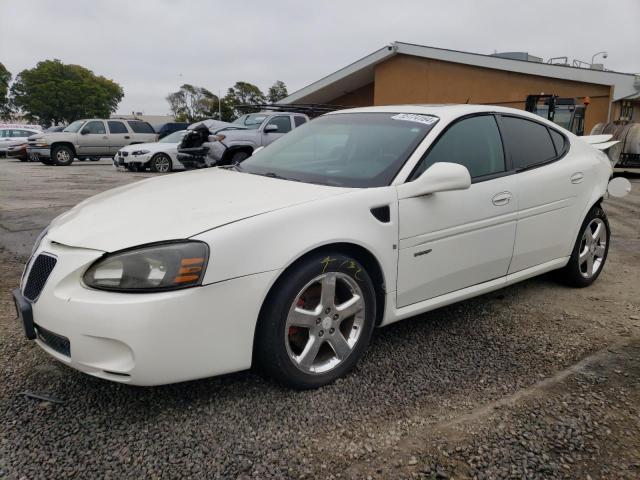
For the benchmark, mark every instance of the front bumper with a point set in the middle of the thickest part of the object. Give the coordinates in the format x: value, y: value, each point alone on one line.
x: 38, y: 152
x: 146, y: 339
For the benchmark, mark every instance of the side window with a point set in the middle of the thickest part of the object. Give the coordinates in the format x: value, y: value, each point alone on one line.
x: 117, y: 127
x: 283, y: 123
x: 528, y: 143
x: 298, y: 120
x: 473, y: 142
x: 558, y: 141
x: 95, y: 127
x: 140, y: 127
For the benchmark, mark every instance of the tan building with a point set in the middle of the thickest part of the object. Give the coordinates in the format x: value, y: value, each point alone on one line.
x: 403, y: 73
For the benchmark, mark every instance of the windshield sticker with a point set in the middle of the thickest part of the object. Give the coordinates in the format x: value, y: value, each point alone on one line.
x: 414, y: 117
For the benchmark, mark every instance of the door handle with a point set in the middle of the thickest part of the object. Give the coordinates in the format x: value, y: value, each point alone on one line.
x: 127, y: 137
x: 577, y: 177
x: 501, y: 199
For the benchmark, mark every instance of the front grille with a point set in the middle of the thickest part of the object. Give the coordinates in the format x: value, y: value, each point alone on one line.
x: 54, y: 341
x: 38, y: 276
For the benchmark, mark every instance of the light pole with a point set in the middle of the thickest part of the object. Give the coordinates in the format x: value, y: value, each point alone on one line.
x: 603, y: 53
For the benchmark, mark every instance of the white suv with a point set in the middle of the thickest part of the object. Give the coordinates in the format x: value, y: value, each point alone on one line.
x: 92, y: 138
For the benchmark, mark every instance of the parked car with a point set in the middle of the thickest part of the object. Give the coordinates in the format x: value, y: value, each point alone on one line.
x: 18, y: 151
x: 289, y: 260
x: 159, y: 156
x: 92, y: 138
x: 164, y: 129
x: 14, y: 136
x: 235, y: 142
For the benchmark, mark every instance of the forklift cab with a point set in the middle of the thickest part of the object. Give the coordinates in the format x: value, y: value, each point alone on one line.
x: 561, y: 111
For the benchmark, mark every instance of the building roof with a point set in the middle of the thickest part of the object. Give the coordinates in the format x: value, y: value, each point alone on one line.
x: 361, y: 72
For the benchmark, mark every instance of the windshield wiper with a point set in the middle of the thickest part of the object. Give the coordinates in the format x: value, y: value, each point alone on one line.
x: 278, y: 176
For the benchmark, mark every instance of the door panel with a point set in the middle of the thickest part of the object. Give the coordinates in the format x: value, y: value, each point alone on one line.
x: 119, y: 136
x: 550, y: 205
x: 96, y: 142
x: 284, y: 126
x: 552, y: 187
x: 452, y: 240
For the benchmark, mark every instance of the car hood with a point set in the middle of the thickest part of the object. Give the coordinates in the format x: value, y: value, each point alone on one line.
x: 153, y: 147
x: 177, y: 206
x: 53, y: 136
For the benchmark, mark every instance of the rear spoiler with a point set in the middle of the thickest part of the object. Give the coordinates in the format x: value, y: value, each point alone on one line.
x: 606, y: 145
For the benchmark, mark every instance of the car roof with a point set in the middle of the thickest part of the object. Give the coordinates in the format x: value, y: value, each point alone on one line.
x: 445, y: 112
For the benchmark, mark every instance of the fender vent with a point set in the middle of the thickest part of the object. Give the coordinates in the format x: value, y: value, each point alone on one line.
x: 382, y: 214
x: 38, y: 276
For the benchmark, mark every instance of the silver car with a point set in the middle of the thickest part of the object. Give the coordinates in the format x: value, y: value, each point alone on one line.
x: 88, y: 139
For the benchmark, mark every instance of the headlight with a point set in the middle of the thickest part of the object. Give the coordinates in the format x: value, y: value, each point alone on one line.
x: 219, y: 137
x: 139, y: 152
x: 153, y: 268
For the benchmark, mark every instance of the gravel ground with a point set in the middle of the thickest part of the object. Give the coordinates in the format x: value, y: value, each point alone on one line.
x: 532, y: 381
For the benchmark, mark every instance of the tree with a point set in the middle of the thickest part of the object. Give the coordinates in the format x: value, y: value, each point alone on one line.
x: 192, y: 103
x: 53, y: 92
x: 277, y: 91
x: 5, y: 103
x: 242, y: 93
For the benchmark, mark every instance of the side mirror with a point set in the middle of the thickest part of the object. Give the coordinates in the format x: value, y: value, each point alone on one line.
x: 439, y: 177
x: 271, y: 128
x: 84, y: 131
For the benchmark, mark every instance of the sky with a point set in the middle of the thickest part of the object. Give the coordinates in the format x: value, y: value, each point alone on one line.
x: 150, y: 47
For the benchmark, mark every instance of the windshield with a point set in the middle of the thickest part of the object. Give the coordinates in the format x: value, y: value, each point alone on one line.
x: 345, y: 149
x: 74, y: 127
x: 251, y: 121
x: 175, y: 137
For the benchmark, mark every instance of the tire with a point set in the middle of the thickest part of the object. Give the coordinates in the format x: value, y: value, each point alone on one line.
x: 62, y: 156
x: 160, y: 163
x: 82, y: 159
x: 299, y: 333
x: 46, y: 161
x: 239, y: 157
x: 590, y: 251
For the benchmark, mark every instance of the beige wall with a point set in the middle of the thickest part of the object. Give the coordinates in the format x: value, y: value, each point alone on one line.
x: 362, y: 97
x: 407, y: 79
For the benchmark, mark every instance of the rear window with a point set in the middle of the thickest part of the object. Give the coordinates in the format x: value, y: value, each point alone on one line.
x: 140, y: 127
x: 529, y: 143
x: 117, y: 127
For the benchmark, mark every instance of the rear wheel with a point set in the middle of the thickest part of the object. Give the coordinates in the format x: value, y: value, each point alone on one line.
x: 160, y: 163
x: 590, y: 250
x: 62, y: 156
x: 317, y: 322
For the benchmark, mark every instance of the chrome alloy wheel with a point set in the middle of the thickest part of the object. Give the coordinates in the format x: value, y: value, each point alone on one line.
x: 162, y: 164
x: 593, y: 246
x: 325, y: 322
x: 62, y: 156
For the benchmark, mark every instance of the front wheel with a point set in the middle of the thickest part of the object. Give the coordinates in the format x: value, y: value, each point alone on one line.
x: 62, y: 156
x: 317, y: 321
x: 590, y: 250
x: 160, y: 163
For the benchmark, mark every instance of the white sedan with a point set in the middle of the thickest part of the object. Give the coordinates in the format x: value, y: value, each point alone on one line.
x: 160, y: 156
x: 358, y: 219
